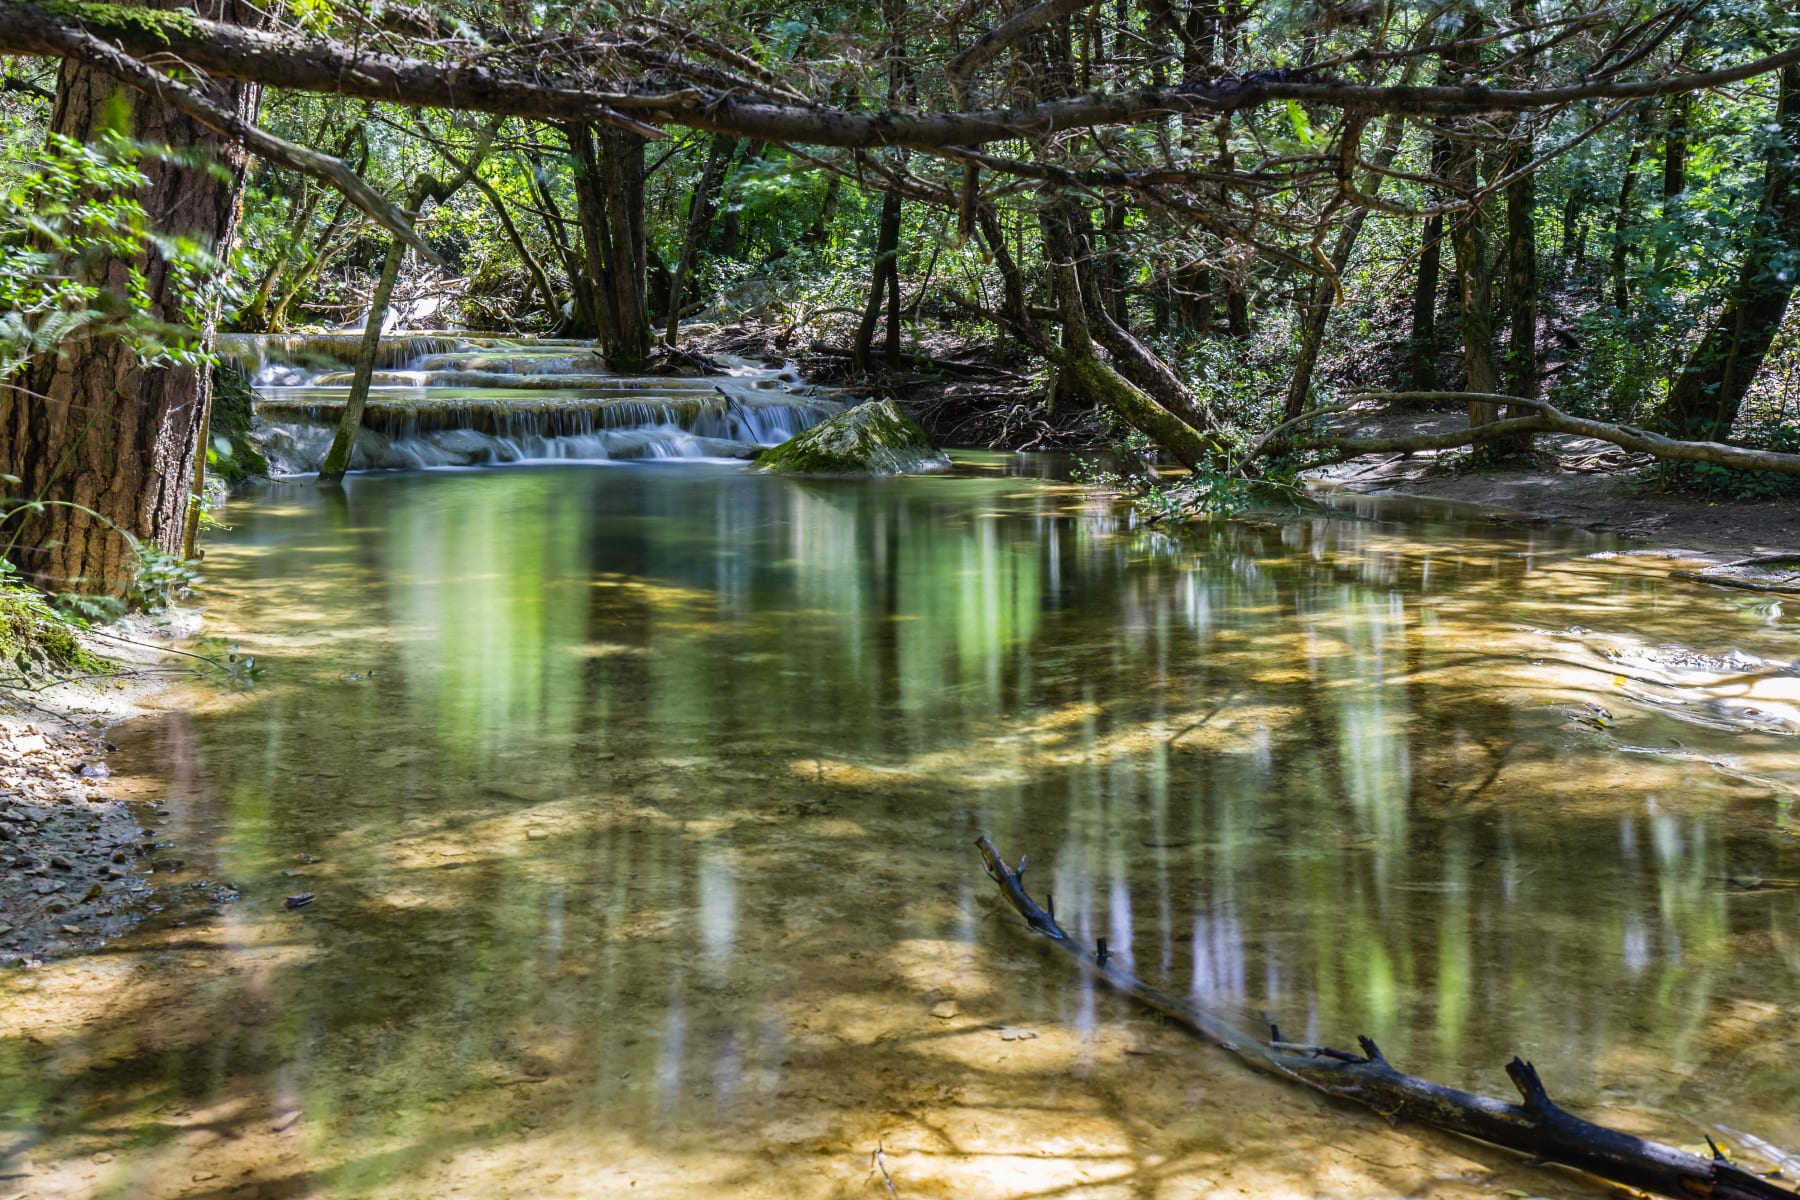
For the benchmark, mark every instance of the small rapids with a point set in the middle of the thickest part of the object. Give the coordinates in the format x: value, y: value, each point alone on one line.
x: 438, y: 400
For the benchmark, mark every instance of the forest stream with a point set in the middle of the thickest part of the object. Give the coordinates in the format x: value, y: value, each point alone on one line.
x: 639, y: 802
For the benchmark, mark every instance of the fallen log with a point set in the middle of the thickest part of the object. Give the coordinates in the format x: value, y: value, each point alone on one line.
x: 1536, y: 1126
x: 1547, y: 418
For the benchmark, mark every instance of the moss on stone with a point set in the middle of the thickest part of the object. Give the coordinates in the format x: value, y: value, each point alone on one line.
x: 123, y: 18
x: 871, y: 439
x: 36, y: 641
x: 232, y: 456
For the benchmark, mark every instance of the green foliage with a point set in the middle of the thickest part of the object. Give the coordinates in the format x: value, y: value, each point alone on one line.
x: 36, y: 639
x: 1727, y: 483
x: 73, y: 241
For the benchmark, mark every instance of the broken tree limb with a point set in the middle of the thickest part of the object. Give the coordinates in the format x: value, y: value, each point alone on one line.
x: 1536, y: 1125
x: 1554, y: 420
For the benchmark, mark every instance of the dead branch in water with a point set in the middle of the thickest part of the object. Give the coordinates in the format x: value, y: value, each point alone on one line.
x: 1547, y: 419
x: 1537, y: 1126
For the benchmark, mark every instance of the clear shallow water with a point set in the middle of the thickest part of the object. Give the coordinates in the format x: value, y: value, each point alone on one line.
x: 642, y: 801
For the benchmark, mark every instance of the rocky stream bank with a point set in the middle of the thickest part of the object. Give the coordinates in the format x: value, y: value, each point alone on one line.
x: 77, y: 860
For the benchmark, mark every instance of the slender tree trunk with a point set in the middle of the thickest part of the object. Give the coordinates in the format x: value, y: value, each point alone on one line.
x: 890, y: 349
x: 1704, y: 399
x: 425, y: 187
x: 1474, y: 280
x: 815, y: 235
x: 1522, y: 283
x: 325, y: 247
x: 337, y: 459
x: 887, y: 253
x: 1571, y: 231
x: 255, y: 315
x: 1317, y: 312
x: 701, y: 205
x: 1621, y: 249
x: 731, y: 223
x: 107, y: 443
x: 1423, y: 342
x: 540, y: 279
x: 1675, y: 146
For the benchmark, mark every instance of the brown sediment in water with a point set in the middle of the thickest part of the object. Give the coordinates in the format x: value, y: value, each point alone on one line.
x: 637, y: 805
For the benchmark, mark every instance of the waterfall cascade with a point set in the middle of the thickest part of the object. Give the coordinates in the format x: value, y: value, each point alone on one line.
x: 443, y: 400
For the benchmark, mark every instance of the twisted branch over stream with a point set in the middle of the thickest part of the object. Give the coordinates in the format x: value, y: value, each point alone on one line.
x: 1537, y: 1126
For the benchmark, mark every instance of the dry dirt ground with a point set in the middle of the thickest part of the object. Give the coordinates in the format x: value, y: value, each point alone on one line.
x: 1574, y: 481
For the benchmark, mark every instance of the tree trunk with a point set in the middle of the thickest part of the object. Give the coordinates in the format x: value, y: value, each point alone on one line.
x: 609, y: 194
x: 701, y: 205
x: 425, y: 187
x: 1522, y: 283
x: 731, y: 224
x: 1621, y: 250
x: 1571, y: 231
x: 1474, y: 278
x: 1704, y: 399
x: 337, y: 459
x: 1675, y: 146
x: 108, y: 444
x: 255, y: 315
x: 1423, y: 342
x: 1317, y: 312
x: 815, y: 235
x: 887, y: 252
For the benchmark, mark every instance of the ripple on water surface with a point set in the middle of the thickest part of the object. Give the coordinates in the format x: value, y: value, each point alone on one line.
x: 639, y: 809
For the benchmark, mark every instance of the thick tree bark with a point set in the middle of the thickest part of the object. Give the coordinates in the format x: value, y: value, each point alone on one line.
x: 1704, y: 399
x: 108, y: 444
x: 609, y: 194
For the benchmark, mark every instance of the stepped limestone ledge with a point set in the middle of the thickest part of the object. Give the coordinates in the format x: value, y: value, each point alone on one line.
x: 876, y: 438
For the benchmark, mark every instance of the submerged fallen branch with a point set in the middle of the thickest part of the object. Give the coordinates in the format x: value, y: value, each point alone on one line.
x: 1537, y: 1126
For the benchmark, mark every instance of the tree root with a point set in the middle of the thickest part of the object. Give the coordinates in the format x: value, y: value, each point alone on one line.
x: 1536, y: 1126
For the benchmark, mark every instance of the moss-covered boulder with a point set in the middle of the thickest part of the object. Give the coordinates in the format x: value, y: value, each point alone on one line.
x: 232, y: 456
x: 871, y: 439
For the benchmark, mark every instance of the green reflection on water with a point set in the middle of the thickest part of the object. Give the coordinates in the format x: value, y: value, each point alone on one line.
x: 642, y: 801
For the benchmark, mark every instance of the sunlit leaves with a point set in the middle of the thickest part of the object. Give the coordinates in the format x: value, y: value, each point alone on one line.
x: 73, y: 236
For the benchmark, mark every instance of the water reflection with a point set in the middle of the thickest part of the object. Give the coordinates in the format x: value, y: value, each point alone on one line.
x: 641, y: 804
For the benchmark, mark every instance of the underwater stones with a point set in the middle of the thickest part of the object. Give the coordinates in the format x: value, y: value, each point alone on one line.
x: 876, y: 438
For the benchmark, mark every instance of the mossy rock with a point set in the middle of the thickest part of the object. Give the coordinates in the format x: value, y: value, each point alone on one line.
x: 232, y: 456
x: 876, y: 438
x: 35, y: 641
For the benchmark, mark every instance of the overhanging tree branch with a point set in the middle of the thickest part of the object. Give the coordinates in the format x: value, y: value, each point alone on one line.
x: 492, y: 84
x: 75, y: 42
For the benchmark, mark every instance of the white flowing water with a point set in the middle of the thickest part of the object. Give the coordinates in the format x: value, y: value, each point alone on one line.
x: 442, y: 400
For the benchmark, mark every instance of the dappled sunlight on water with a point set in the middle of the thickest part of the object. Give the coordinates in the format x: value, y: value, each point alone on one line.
x: 639, y: 807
